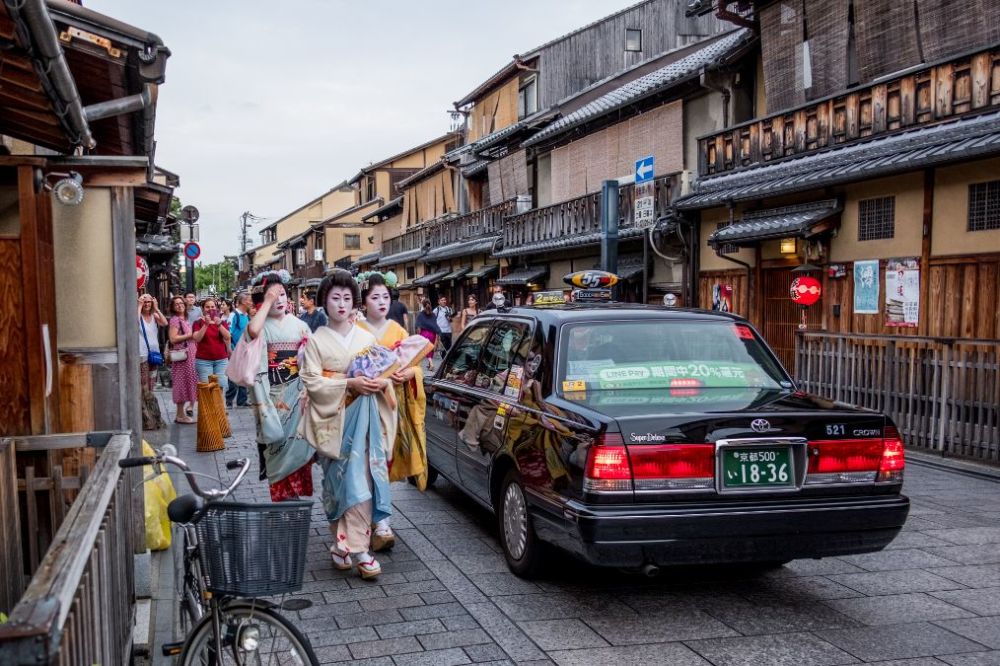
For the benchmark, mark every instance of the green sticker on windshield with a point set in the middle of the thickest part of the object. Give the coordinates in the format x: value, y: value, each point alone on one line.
x: 679, y: 375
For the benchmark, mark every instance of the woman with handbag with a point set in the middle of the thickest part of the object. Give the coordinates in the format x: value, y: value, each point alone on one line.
x: 181, y: 356
x: 285, y: 457
x: 150, y: 321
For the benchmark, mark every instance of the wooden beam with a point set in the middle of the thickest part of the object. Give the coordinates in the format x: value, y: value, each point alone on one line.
x: 30, y: 274
x: 925, y: 251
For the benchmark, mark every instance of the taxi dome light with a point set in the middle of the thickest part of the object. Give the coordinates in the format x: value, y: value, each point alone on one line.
x: 591, y: 279
x: 498, y: 300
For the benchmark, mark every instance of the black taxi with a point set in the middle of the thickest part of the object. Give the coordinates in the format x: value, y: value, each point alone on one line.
x: 640, y: 436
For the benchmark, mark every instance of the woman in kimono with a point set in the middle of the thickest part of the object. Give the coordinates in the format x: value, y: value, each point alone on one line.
x: 285, y: 457
x: 351, y: 422
x: 408, y: 455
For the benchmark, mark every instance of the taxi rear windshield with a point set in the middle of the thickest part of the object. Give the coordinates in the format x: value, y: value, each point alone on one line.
x: 665, y: 354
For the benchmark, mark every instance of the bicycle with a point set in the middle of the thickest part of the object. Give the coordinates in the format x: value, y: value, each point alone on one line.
x: 253, y: 551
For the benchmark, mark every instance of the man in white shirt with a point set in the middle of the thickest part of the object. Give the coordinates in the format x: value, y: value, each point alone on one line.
x: 444, y: 314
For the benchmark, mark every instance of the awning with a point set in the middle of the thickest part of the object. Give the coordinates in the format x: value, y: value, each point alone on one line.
x: 458, y: 273
x: 791, y: 221
x: 485, y: 271
x: 365, y: 260
x: 400, y: 257
x: 961, y: 140
x: 523, y: 276
x: 556, y: 244
x: 461, y: 249
x: 430, y: 278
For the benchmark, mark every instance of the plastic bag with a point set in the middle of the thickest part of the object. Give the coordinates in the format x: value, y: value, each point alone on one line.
x: 159, y: 492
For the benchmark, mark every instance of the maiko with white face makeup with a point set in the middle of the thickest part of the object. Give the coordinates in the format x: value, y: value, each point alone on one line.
x: 339, y: 305
x: 279, y: 307
x: 377, y: 303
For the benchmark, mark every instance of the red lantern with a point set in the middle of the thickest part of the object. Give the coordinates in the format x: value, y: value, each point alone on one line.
x: 141, y: 272
x: 806, y: 290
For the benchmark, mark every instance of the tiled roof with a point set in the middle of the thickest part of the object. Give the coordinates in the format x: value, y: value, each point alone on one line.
x: 775, y: 223
x: 430, y: 278
x: 653, y: 83
x: 629, y: 266
x: 475, y: 168
x: 394, y: 203
x: 155, y: 244
x: 461, y: 249
x: 563, y: 243
x: 457, y: 273
x: 365, y: 259
x: 523, y: 276
x: 420, y: 175
x: 494, y: 138
x: 400, y: 257
x: 483, y: 271
x: 964, y: 139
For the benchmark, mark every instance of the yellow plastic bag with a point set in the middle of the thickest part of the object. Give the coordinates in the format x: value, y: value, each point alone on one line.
x: 159, y: 492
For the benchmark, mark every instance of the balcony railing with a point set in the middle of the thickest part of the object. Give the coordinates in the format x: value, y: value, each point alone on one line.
x: 411, y: 240
x: 921, y: 97
x: 582, y: 216
x: 477, y: 224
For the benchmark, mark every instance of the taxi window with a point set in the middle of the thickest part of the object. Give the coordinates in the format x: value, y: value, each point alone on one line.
x: 462, y: 366
x: 503, y: 351
x: 665, y: 354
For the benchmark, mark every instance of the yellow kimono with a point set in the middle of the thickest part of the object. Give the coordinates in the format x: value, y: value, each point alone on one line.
x: 409, y: 451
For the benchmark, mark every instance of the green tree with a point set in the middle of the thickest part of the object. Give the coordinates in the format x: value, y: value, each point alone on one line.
x: 220, y: 275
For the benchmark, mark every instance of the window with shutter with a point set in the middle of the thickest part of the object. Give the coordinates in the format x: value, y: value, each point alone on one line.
x: 984, y: 206
x: 876, y: 218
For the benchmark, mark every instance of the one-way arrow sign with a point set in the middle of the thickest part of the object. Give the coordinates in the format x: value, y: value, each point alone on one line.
x: 644, y: 169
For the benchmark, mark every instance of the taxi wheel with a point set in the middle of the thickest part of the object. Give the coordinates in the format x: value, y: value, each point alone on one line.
x: 517, y: 535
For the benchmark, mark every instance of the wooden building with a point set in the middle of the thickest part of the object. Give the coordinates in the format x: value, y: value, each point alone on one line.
x: 880, y: 180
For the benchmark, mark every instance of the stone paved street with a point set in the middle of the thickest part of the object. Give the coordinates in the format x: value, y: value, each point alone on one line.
x: 446, y: 596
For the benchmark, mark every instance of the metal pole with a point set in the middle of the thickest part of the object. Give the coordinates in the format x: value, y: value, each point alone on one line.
x: 645, y: 267
x: 609, y: 226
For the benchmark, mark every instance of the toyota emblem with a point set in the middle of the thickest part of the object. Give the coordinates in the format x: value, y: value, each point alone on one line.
x: 760, y: 425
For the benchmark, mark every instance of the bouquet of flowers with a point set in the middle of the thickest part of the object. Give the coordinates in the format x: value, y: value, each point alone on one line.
x: 374, y: 362
x: 412, y: 350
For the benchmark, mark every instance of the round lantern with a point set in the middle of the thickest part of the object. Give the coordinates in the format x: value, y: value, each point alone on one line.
x: 806, y: 290
x: 141, y: 272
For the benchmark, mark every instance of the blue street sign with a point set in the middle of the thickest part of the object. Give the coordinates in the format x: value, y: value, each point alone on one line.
x: 644, y: 170
x: 192, y: 251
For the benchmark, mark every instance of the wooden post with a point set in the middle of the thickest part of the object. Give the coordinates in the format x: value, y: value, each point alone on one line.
x: 945, y: 394
x: 925, y: 252
x: 129, y: 405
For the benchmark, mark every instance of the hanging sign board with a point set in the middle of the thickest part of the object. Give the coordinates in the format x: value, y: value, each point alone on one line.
x: 866, y: 286
x: 141, y: 272
x: 902, y: 292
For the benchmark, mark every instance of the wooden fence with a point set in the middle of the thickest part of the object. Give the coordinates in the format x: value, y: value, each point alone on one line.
x: 943, y: 393
x: 78, y: 607
x: 11, y: 565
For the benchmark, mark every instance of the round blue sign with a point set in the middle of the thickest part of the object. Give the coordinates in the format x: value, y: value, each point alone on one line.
x: 192, y: 251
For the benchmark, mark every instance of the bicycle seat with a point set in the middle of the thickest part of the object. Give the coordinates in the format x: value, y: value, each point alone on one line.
x: 184, y: 508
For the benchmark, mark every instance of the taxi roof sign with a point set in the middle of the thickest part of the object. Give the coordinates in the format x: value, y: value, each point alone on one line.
x: 552, y: 297
x: 591, y: 279
x: 592, y: 295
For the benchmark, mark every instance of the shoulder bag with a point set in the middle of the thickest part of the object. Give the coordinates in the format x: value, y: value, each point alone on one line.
x: 153, y: 358
x: 179, y: 355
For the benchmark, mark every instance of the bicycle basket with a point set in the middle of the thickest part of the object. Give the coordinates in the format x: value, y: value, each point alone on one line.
x: 254, y: 550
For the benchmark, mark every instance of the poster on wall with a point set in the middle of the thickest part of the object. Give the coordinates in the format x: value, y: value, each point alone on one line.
x: 866, y: 286
x: 902, y: 292
x: 722, y: 297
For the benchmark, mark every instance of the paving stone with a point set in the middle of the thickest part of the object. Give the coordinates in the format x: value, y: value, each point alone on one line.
x: 355, y: 594
x: 452, y: 639
x: 396, y: 601
x: 506, y: 634
x: 381, y: 648
x: 456, y: 582
x: 496, y: 584
x: 437, y: 597
x: 449, y: 657
x: 377, y: 661
x: 415, y: 576
x: 459, y: 622
x: 918, y: 661
x: 330, y: 635
x: 895, y: 560
x: 775, y: 618
x: 804, y: 588
x: 920, y: 639
x: 553, y: 606
x: 991, y: 658
x: 984, y: 601
x: 412, y: 588
x: 895, y: 582
x: 562, y: 634
x: 679, y: 625
x: 780, y: 650
x: 986, y: 553
x: 967, y: 536
x: 822, y: 567
x: 409, y: 628
x: 897, y: 609
x: 483, y: 563
x: 369, y: 618
x: 972, y: 575
x: 983, y: 630
x: 383, y: 580
x: 332, y: 653
x: 485, y: 653
x: 669, y: 654
x: 437, y: 610
x: 922, y: 540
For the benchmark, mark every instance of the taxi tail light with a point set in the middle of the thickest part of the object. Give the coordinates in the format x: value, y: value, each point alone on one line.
x: 673, y: 466
x: 893, y: 456
x: 608, y: 469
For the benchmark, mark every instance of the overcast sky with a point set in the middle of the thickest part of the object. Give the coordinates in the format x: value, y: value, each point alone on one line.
x: 267, y: 105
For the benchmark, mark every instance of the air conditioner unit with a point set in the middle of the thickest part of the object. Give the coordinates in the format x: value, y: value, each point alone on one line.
x: 300, y: 256
x: 318, y: 254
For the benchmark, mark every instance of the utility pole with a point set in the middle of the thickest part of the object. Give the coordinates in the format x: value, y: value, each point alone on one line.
x: 243, y: 231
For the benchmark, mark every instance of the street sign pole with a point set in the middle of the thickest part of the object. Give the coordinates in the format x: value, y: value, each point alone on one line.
x: 609, y: 226
x: 190, y: 276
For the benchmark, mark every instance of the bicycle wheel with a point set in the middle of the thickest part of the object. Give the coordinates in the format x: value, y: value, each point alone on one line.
x: 251, y: 634
x: 191, y: 606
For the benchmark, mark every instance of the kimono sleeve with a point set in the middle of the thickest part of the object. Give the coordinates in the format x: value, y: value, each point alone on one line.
x: 326, y: 394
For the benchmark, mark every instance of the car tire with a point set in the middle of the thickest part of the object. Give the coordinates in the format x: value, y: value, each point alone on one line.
x: 520, y: 544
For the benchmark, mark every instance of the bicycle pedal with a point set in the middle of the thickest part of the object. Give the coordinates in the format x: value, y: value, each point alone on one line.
x: 172, y: 649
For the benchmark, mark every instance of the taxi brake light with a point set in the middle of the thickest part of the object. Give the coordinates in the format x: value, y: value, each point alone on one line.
x: 608, y: 468
x: 893, y: 456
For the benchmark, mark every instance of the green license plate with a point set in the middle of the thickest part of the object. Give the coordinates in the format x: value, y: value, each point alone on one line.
x: 762, y: 467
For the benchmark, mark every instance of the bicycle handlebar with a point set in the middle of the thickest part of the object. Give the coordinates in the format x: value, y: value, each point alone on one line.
x: 212, y: 493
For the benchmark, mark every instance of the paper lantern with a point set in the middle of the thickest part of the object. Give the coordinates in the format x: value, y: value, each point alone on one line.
x: 141, y: 272
x: 806, y: 290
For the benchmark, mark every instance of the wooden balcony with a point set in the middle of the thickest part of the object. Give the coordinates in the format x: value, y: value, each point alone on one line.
x: 311, y: 269
x: 921, y: 96
x: 577, y: 221
x: 411, y: 240
x: 470, y: 226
